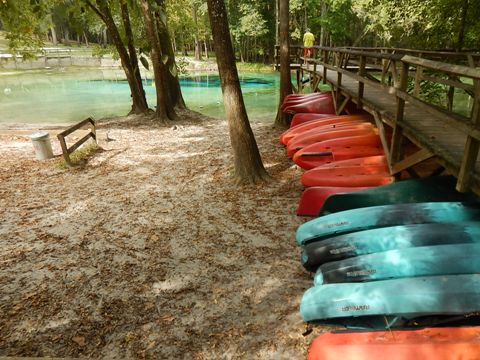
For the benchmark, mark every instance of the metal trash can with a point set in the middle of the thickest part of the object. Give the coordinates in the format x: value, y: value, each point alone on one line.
x: 42, y: 145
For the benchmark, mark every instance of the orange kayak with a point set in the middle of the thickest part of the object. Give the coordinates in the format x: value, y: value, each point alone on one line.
x: 313, y: 198
x: 323, y: 105
x: 308, y: 159
x: 449, y: 343
x: 331, y: 120
x: 302, y: 118
x: 317, y: 135
x: 362, y: 161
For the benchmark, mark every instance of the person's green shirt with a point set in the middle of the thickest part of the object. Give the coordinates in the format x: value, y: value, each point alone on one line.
x: 308, y: 39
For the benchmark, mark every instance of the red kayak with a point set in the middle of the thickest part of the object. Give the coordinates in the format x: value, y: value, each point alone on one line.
x: 297, y: 101
x: 331, y: 120
x: 302, y: 140
x: 313, y: 198
x: 322, y: 105
x: 308, y: 159
x: 453, y: 343
x: 302, y: 118
x: 305, y: 96
x: 356, y: 176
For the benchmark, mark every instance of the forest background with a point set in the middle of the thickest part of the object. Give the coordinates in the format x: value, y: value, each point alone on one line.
x: 422, y: 24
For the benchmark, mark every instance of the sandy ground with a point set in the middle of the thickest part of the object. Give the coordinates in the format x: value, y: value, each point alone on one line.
x: 149, y: 250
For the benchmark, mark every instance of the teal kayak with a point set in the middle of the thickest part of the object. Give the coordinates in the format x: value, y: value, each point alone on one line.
x: 410, y: 262
x: 388, y: 238
x: 383, y: 216
x: 439, y: 188
x: 407, y: 302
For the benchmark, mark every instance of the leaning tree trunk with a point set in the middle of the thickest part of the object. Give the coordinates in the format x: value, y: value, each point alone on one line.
x: 132, y: 52
x: 283, y: 119
x: 165, y: 110
x: 139, y: 103
x: 463, y: 21
x: 198, y: 46
x: 248, y: 163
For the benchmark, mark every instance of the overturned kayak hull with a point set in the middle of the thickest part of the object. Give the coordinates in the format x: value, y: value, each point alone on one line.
x: 373, y: 217
x: 302, y: 100
x: 402, y: 263
x: 299, y: 119
x: 383, y: 239
x: 440, y: 188
x: 407, y: 302
x: 448, y: 343
x: 328, y: 152
x: 312, y: 198
x: 322, y: 105
x: 333, y: 120
x: 362, y: 129
x: 347, y: 176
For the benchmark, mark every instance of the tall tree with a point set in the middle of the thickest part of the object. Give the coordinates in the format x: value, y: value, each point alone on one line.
x: 282, y: 119
x: 128, y: 57
x: 248, y: 163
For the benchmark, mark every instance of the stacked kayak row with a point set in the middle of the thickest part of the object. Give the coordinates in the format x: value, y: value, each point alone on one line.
x: 385, y: 255
x: 340, y: 153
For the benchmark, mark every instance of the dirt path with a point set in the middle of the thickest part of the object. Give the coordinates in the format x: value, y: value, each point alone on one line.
x: 149, y: 251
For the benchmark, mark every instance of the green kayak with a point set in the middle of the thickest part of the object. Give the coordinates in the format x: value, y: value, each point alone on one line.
x: 383, y: 216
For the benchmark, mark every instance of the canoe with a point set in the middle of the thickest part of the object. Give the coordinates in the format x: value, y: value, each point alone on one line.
x: 330, y: 120
x: 397, y: 237
x: 301, y: 118
x: 452, y: 259
x: 407, y: 302
x: 300, y: 141
x: 313, y: 197
x: 348, y: 176
x: 373, y: 217
x: 446, y: 343
x: 301, y: 100
x: 331, y: 153
x: 322, y: 105
x: 367, y: 161
x: 439, y: 188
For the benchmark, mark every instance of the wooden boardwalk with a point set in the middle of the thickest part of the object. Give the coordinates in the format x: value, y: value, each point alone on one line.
x: 451, y: 139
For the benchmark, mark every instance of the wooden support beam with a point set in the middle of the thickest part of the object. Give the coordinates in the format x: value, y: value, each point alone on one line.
x: 342, y: 105
x: 361, y: 85
x: 412, y: 160
x: 472, y: 147
x: 299, y: 81
x: 383, y: 137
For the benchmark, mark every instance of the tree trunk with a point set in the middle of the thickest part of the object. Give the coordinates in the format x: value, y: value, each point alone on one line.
x: 164, y: 109
x: 173, y: 85
x: 139, y: 104
x: 54, y: 36
x: 247, y: 161
x: 85, y: 38
x: 132, y: 52
x: 198, y: 46
x: 463, y: 21
x: 206, y: 48
x: 282, y: 119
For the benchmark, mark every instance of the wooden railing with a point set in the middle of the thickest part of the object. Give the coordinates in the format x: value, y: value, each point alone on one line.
x: 87, y: 123
x: 404, y: 76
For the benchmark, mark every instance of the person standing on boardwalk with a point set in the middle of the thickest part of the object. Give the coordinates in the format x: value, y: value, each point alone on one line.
x: 308, y: 40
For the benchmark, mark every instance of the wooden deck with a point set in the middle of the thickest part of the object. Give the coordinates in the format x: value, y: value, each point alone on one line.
x: 452, y: 140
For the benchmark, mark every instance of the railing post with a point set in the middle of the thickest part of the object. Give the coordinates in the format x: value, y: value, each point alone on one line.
x: 418, y: 79
x: 361, y: 85
x: 325, y: 60
x: 472, y: 146
x: 396, y: 151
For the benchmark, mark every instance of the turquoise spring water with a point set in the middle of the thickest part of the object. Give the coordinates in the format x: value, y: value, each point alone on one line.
x: 68, y: 96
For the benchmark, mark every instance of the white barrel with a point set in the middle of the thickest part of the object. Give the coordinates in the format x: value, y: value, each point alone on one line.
x: 42, y: 145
